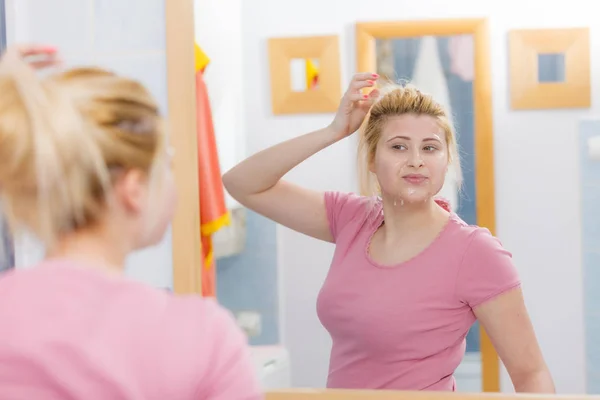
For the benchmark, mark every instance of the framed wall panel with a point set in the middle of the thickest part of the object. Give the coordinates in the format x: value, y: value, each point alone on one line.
x: 549, y: 68
x: 319, y: 56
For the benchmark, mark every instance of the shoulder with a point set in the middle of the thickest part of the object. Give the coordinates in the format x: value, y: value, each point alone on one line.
x: 222, y: 355
x: 202, y: 338
x: 201, y: 324
x: 350, y: 200
x: 204, y: 314
x: 478, y: 249
x: 481, y: 242
x: 350, y: 205
x: 344, y: 209
x: 486, y: 269
x: 474, y: 238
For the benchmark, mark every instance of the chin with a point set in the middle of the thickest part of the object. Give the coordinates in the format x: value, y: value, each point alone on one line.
x: 415, y: 199
x: 152, y: 237
x: 415, y: 194
x: 149, y: 242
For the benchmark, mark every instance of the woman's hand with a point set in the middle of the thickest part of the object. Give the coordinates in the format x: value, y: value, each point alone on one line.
x: 354, y: 105
x: 36, y: 56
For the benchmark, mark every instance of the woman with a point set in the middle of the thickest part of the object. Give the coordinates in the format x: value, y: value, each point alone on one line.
x: 408, y: 277
x: 84, y: 166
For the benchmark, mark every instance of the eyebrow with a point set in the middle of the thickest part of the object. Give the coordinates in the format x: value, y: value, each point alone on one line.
x: 429, y: 139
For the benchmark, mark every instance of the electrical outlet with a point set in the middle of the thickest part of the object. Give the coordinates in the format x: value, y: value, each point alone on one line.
x: 250, y: 322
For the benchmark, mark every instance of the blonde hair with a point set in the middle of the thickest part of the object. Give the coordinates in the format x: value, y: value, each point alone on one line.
x: 395, y: 100
x: 63, y: 139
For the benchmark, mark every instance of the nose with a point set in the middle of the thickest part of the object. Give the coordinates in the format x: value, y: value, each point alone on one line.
x: 415, y: 160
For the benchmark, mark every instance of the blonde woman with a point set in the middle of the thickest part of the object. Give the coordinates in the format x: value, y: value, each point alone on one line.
x: 84, y: 165
x: 408, y: 277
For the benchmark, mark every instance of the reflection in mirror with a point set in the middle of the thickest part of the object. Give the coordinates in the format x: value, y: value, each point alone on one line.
x: 551, y: 68
x: 304, y: 73
x: 444, y: 67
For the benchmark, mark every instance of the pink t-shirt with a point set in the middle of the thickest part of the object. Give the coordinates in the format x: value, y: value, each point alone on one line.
x: 404, y: 327
x: 71, y: 332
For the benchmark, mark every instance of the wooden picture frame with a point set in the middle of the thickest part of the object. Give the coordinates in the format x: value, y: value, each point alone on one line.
x: 323, y: 99
x: 366, y: 36
x: 525, y: 46
x: 181, y: 84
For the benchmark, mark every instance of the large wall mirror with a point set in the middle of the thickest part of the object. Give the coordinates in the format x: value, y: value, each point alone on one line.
x: 450, y: 60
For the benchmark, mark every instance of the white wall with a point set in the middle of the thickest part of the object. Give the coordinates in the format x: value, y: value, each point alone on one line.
x: 125, y: 36
x: 537, y: 193
x: 218, y: 26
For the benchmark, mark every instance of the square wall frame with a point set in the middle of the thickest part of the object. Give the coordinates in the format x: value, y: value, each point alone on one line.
x: 323, y: 99
x: 525, y: 48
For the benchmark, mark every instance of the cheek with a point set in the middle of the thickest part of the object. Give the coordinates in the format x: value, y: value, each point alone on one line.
x: 439, y: 164
x: 172, y: 197
x: 387, y: 167
x: 438, y: 167
x: 169, y: 199
x: 390, y: 161
x: 161, y: 204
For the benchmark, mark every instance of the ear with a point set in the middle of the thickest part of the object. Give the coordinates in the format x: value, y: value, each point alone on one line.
x: 131, y: 190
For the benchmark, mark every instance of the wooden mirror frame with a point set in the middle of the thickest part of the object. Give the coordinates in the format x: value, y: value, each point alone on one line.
x: 322, y: 394
x: 181, y: 85
x: 366, y: 35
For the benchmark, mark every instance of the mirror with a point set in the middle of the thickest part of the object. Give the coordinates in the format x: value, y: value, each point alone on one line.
x: 551, y: 68
x: 444, y: 67
x: 304, y: 74
x: 449, y: 59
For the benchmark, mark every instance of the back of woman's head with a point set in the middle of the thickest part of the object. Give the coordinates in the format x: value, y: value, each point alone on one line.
x: 396, y: 100
x: 64, y: 139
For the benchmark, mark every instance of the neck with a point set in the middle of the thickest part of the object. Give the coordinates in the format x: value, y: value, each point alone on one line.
x: 94, y: 247
x: 406, y: 218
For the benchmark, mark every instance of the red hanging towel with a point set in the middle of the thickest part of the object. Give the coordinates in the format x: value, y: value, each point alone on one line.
x: 213, y: 211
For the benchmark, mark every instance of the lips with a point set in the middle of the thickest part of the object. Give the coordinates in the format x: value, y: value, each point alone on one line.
x: 415, y: 179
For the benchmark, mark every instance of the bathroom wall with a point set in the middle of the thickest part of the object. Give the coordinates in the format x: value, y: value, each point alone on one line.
x: 536, y: 159
x: 249, y: 281
x: 125, y: 36
x: 589, y: 131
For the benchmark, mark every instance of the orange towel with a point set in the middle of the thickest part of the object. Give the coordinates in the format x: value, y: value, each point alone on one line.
x: 213, y: 211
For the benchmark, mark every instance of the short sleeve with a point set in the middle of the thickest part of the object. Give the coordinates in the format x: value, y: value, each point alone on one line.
x: 232, y: 374
x: 486, y: 271
x: 342, y: 208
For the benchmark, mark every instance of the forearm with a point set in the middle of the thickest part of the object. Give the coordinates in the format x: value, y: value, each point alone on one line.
x: 263, y: 170
x: 538, y: 382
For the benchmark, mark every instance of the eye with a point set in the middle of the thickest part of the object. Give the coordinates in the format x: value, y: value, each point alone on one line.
x: 429, y: 148
x: 399, y: 147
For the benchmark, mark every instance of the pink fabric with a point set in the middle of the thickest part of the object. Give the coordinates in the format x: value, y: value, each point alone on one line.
x: 462, y: 56
x: 404, y: 327
x: 70, y: 332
